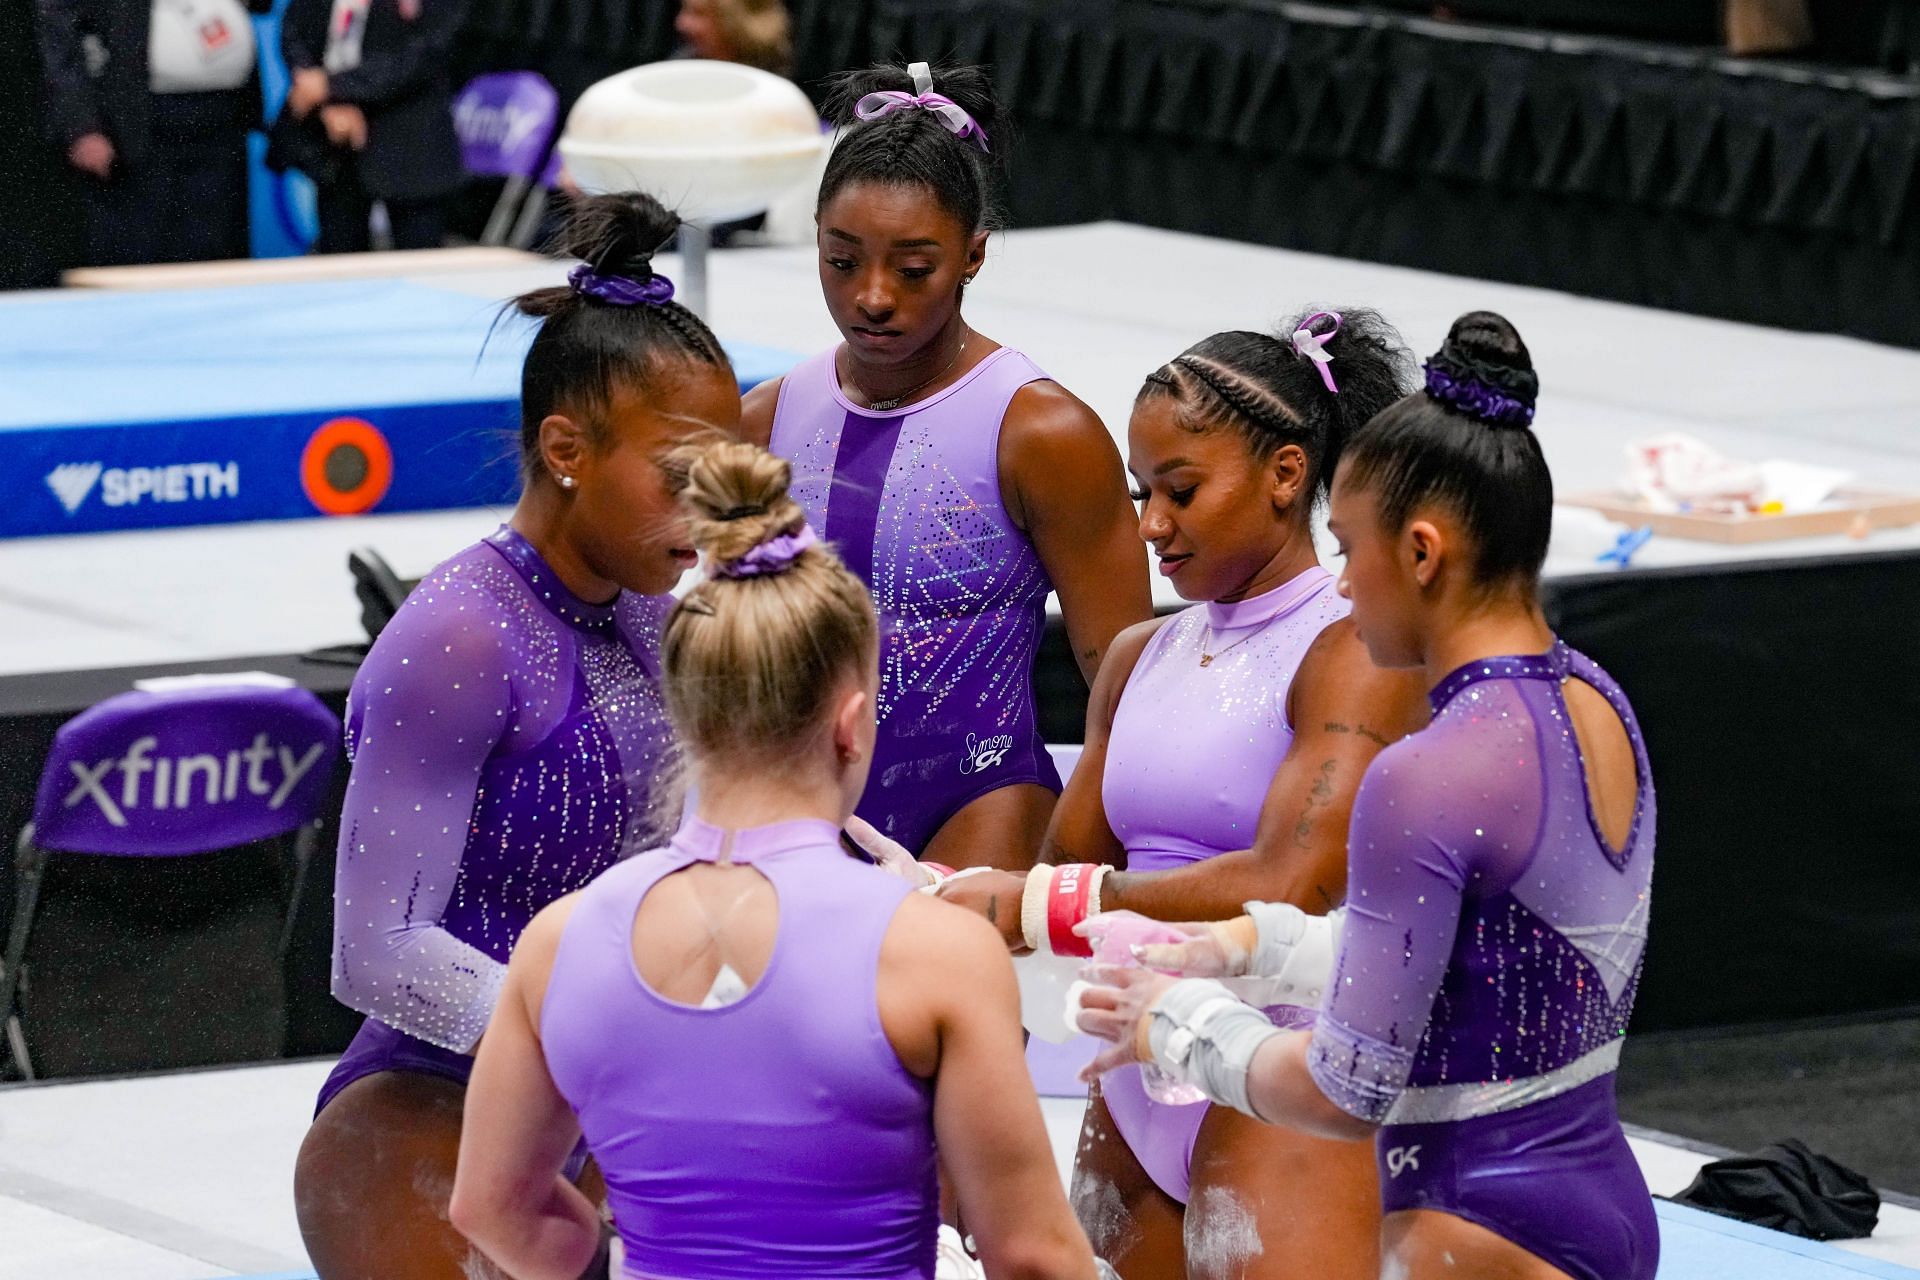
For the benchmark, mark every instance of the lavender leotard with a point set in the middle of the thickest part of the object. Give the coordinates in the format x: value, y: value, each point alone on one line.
x: 504, y: 735
x: 911, y: 500
x: 1487, y: 970
x: 1192, y: 754
x: 776, y: 1136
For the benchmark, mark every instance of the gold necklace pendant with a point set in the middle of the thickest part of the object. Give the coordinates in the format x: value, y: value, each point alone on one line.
x: 1206, y: 659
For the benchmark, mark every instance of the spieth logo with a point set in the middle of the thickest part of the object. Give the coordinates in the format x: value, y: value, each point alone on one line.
x: 130, y: 486
x: 985, y: 753
x: 71, y: 482
x: 1401, y: 1159
x: 179, y: 782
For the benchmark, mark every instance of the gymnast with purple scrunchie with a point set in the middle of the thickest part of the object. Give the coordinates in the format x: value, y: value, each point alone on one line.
x: 1500, y: 868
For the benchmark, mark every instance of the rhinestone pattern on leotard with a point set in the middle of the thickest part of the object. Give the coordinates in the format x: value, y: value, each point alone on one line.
x: 505, y: 738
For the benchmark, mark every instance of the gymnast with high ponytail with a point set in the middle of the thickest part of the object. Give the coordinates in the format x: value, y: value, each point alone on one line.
x: 508, y: 739
x: 956, y: 479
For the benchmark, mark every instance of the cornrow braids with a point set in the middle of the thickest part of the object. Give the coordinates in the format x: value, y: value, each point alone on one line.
x: 1257, y: 405
x: 1274, y: 395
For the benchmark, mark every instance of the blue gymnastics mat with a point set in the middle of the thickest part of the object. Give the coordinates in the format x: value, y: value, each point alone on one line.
x: 263, y: 402
x: 1698, y: 1246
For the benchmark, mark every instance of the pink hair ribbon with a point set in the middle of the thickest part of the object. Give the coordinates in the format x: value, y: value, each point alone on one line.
x: 951, y: 114
x: 1312, y: 346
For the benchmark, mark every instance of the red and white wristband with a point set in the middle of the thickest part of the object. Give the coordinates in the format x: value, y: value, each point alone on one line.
x: 1056, y: 899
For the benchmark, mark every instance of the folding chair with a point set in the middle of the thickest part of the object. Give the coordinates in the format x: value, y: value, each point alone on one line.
x: 506, y: 121
x: 193, y: 766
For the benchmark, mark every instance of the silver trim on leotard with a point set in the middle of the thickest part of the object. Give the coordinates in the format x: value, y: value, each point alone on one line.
x: 1445, y: 1103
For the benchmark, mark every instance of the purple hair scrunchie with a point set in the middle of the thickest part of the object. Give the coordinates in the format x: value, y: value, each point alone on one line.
x: 1477, y: 400
x: 621, y: 291
x: 775, y: 555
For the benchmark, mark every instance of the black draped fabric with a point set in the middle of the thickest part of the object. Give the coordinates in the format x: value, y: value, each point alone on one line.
x: 1669, y: 177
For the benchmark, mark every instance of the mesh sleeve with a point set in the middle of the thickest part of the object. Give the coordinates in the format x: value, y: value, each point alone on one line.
x: 431, y: 702
x: 1438, y: 816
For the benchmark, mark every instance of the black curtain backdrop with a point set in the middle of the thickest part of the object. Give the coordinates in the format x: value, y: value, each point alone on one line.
x: 1651, y: 174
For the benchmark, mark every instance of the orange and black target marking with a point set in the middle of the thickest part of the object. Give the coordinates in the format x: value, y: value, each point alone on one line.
x: 346, y: 467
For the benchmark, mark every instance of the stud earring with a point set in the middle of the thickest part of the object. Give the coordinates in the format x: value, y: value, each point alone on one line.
x: 566, y: 482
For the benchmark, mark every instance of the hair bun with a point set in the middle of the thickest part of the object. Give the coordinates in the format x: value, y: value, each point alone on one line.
x: 1485, y: 372
x: 737, y: 497
x: 618, y: 234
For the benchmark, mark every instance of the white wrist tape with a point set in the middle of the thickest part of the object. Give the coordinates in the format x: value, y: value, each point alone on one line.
x: 1057, y: 898
x: 1293, y: 959
x: 1202, y: 1034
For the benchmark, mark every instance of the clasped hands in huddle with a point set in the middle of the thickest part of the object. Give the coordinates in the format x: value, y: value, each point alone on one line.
x: 1112, y: 1002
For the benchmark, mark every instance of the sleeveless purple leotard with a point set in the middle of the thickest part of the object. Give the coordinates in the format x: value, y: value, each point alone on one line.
x: 776, y: 1136
x: 505, y: 736
x: 1487, y: 970
x: 911, y: 500
x: 1191, y: 756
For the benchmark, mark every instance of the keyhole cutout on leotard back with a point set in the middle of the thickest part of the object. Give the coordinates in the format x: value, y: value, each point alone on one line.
x: 702, y: 919
x: 1607, y: 759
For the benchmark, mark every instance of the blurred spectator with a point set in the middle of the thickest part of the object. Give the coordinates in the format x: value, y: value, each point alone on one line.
x: 150, y: 102
x: 371, y: 105
x: 39, y: 210
x: 756, y: 32
x: 1767, y: 26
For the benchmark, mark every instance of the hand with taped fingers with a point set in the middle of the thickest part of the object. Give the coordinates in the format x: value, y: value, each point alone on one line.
x: 1214, y: 949
x: 1116, y: 1005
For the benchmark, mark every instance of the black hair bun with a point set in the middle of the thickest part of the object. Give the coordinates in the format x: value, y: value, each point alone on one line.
x: 1484, y: 372
x: 968, y: 86
x: 618, y: 234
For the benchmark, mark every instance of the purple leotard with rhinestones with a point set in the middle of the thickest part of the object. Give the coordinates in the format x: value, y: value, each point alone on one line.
x: 776, y: 1136
x: 1190, y: 759
x: 911, y: 500
x: 505, y: 736
x: 1487, y: 970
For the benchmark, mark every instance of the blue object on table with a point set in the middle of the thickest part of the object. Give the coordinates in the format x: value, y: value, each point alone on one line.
x: 1624, y: 546
x: 264, y: 402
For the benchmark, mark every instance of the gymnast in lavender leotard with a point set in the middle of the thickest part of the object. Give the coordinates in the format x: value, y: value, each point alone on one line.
x: 954, y: 477
x: 1501, y: 862
x: 1222, y: 747
x: 1182, y: 788
x: 761, y: 1038
x: 855, y: 1195
x: 508, y: 738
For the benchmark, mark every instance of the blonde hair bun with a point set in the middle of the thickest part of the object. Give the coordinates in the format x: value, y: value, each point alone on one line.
x: 736, y: 497
x: 750, y: 660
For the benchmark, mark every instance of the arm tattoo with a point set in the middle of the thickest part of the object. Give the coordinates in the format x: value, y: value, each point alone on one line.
x: 1334, y: 726
x: 1319, y: 796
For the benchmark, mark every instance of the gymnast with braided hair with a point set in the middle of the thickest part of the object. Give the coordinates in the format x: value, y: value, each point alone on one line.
x: 1223, y: 747
x: 1500, y: 866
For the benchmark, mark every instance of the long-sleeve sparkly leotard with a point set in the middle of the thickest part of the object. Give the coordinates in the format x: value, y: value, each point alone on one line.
x: 505, y: 738
x: 1488, y: 966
